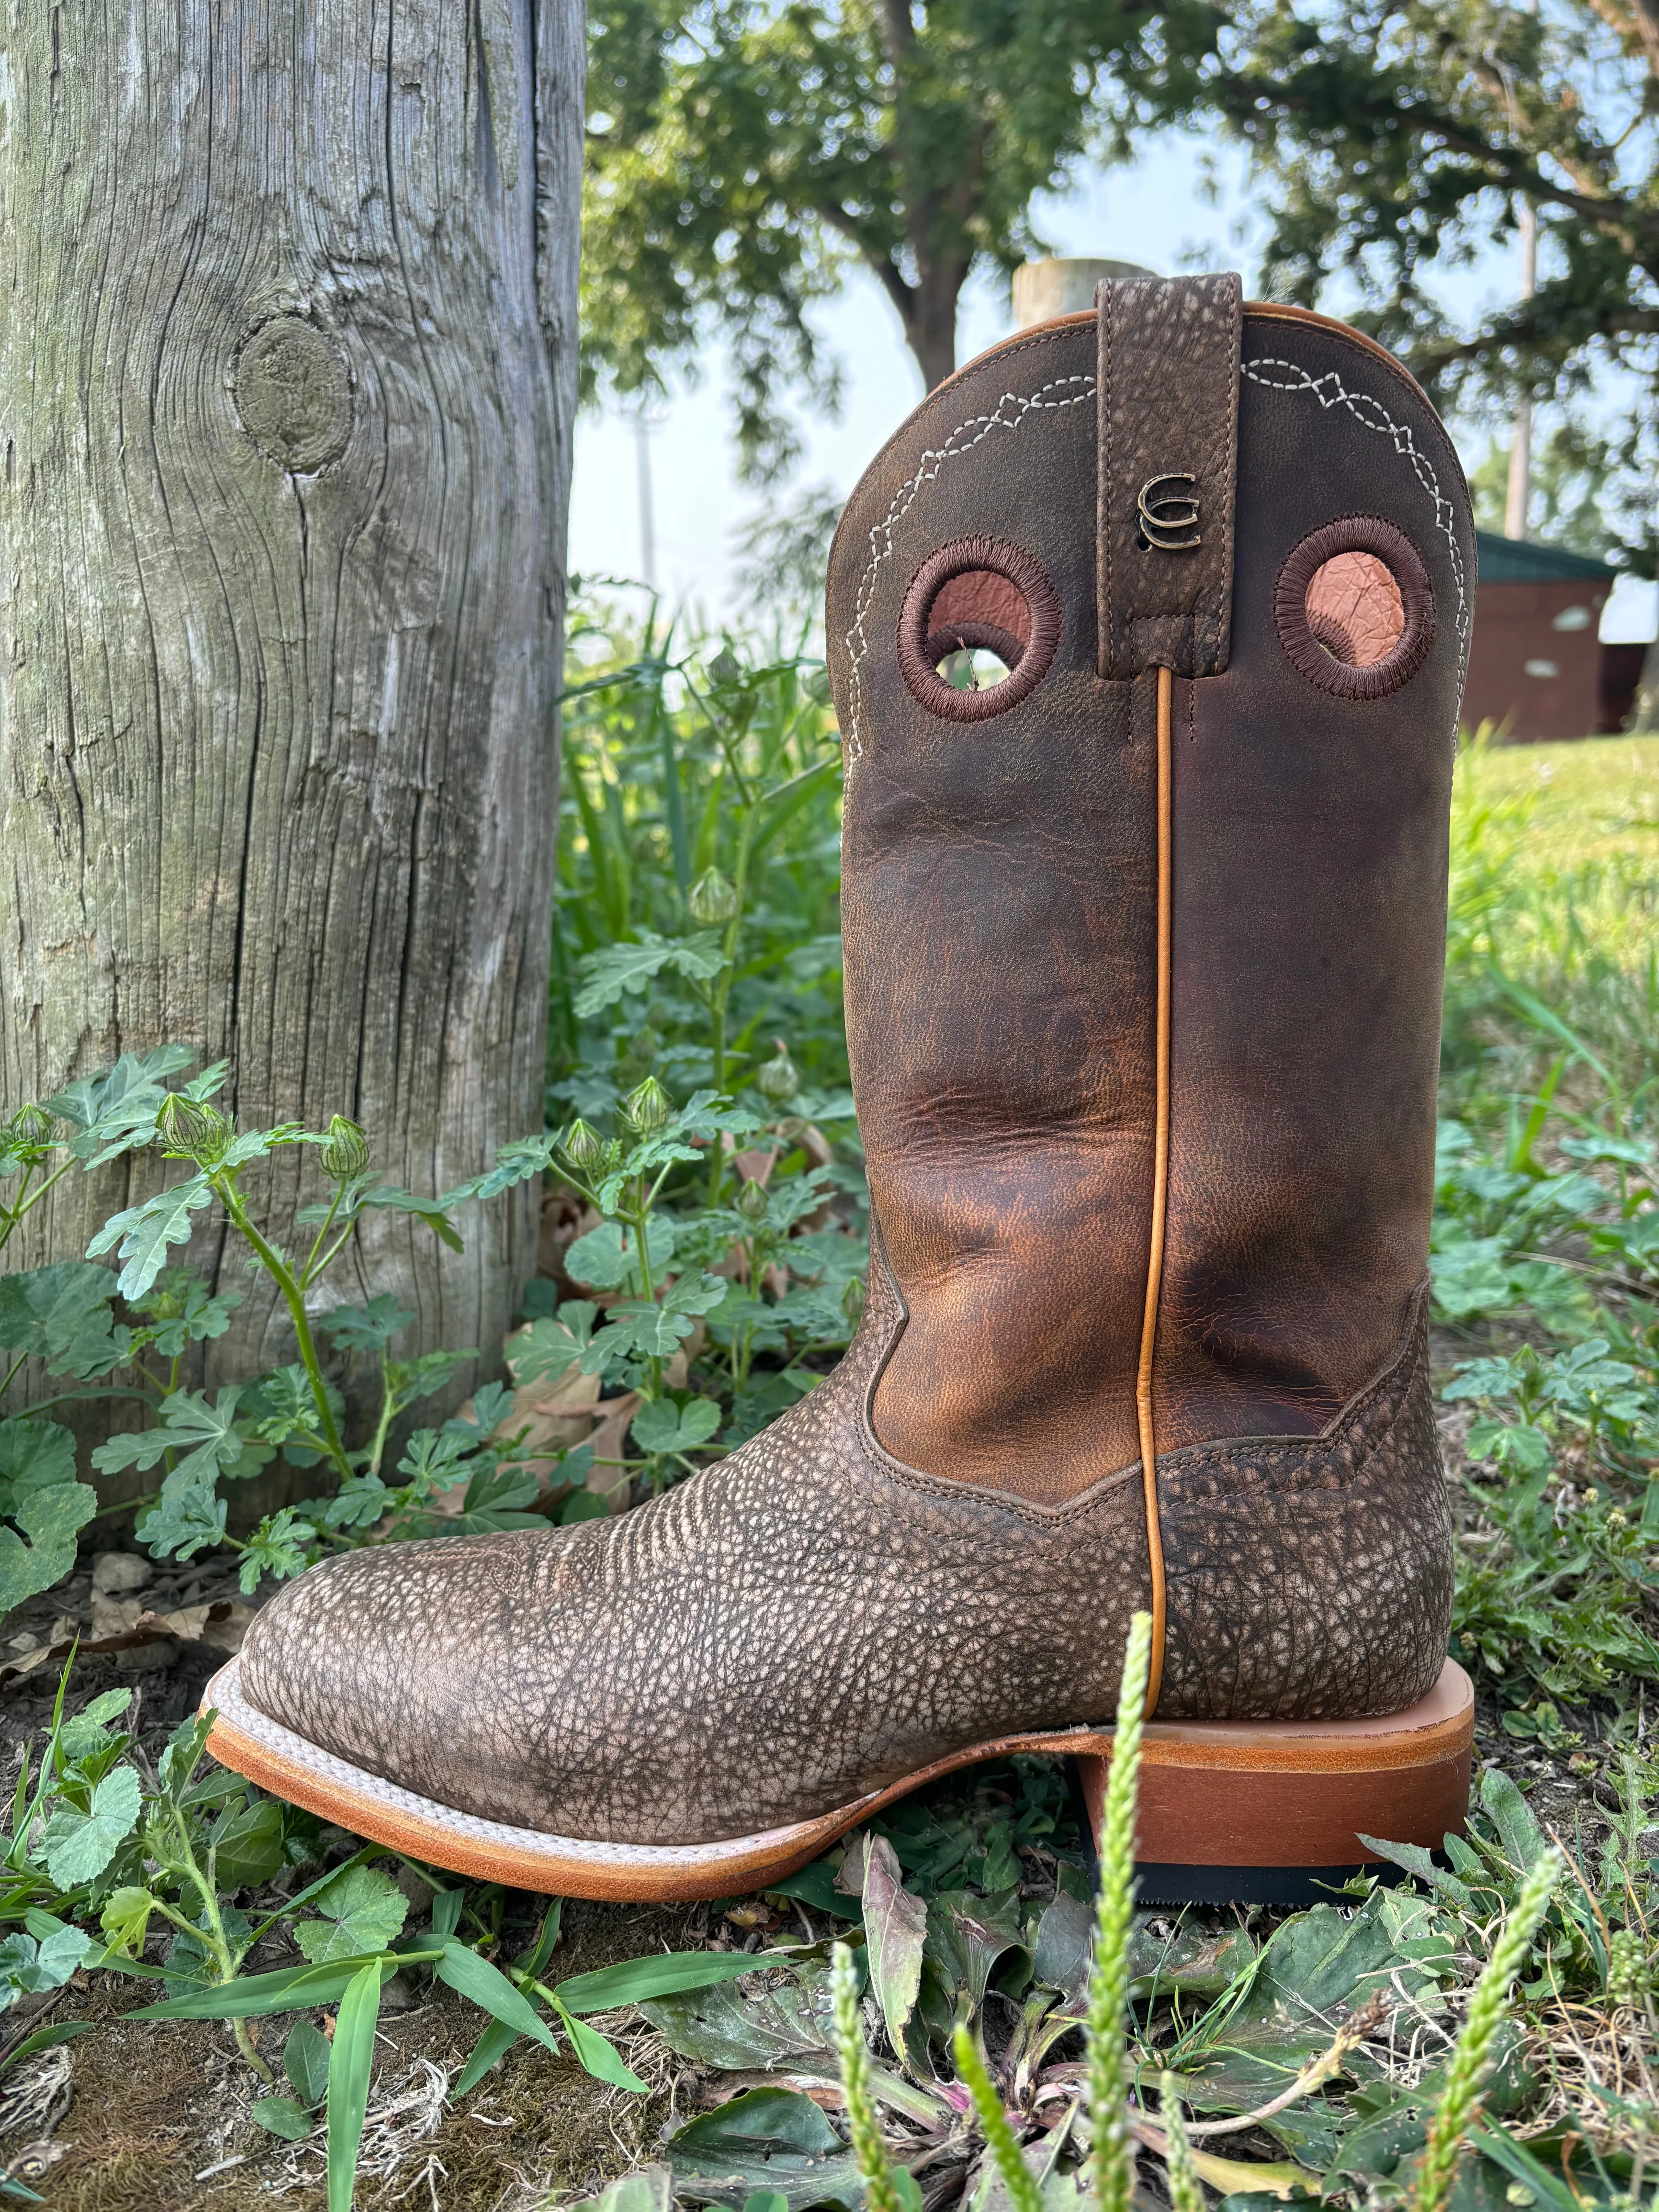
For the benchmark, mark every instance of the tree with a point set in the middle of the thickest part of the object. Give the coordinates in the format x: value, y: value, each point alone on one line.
x: 742, y: 154
x: 1402, y: 141
x: 287, y: 376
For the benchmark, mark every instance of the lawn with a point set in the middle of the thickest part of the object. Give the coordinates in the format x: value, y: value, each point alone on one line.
x: 696, y: 949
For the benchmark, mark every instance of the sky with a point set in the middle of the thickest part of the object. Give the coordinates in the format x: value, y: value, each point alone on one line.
x: 1182, y: 206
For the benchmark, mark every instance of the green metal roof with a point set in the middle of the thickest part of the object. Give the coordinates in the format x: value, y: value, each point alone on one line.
x: 1518, y: 561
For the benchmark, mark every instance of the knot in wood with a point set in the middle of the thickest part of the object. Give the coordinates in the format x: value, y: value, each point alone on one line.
x: 293, y: 394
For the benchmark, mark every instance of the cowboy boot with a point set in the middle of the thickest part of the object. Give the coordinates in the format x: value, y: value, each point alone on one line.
x: 1144, y: 931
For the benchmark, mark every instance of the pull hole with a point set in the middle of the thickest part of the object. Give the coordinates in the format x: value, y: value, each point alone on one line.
x: 1355, y: 609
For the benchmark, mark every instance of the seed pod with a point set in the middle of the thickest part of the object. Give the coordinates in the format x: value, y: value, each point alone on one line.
x: 582, y: 1145
x: 779, y: 1078
x: 713, y: 899
x: 648, y: 1108
x: 752, y: 1203
x: 190, y: 1129
x: 30, y: 1126
x: 346, y: 1152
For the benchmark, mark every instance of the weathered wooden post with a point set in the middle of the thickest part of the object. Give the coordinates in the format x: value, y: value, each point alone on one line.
x: 287, y: 376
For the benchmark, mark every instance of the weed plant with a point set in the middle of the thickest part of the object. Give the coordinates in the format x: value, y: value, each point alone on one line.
x: 701, y: 1161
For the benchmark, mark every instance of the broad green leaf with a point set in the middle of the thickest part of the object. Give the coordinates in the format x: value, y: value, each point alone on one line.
x: 247, y: 1846
x: 660, y: 1425
x: 765, y: 2139
x: 614, y: 970
x: 76, y: 1846
x: 363, y: 1910
x: 87, y: 1730
x: 40, y: 1549
x: 652, y: 1330
x: 30, y: 1963
x: 659, y: 1975
x: 125, y: 1919
x: 305, y: 2061
x: 368, y: 1328
x: 180, y: 1311
x: 144, y: 1232
x: 349, y: 2065
x: 61, y: 1314
x: 895, y: 1930
x: 651, y: 2190
x: 491, y: 1991
x: 33, y: 1455
x: 607, y: 1258
x: 206, y: 1437
x: 183, y: 1522
x: 385, y: 1197
x: 550, y: 1346
x: 514, y: 1163
x: 280, y: 2116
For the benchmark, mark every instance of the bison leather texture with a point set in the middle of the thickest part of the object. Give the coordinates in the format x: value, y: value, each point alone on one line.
x: 945, y: 1541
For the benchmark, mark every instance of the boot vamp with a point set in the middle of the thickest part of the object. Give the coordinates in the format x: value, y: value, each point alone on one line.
x: 803, y: 1623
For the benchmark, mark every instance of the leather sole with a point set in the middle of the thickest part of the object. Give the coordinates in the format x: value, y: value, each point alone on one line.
x: 1246, y: 1801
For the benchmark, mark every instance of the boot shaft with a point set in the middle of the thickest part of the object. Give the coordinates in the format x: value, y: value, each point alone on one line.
x: 1036, y: 1160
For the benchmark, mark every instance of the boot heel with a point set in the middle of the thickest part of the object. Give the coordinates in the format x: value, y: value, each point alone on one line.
x: 1272, y: 1812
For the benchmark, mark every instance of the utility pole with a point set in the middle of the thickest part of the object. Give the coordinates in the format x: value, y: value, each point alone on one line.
x: 1515, y: 506
x: 647, y: 501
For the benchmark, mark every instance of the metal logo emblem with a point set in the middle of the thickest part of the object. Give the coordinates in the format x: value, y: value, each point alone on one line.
x: 1168, y: 516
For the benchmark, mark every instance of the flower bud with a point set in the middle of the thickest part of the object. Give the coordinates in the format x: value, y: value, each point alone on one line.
x: 29, y: 1127
x: 648, y: 1108
x: 779, y: 1078
x: 346, y: 1152
x: 190, y: 1129
x: 582, y: 1145
x: 725, y: 667
x: 713, y: 899
x: 852, y: 1300
x: 751, y: 1203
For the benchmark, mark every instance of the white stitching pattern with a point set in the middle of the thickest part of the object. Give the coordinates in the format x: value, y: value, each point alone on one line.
x: 881, y: 537
x: 1378, y: 419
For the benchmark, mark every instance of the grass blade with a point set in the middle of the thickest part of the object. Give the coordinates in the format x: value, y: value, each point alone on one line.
x: 664, y: 1976
x: 348, y: 2067
x: 600, y: 2056
x: 490, y: 1990
x: 293, y: 1988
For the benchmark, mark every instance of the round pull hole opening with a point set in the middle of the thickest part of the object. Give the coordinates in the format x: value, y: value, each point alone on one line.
x: 1355, y: 609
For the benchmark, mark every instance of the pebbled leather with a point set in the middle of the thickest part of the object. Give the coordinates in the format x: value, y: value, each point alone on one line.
x: 802, y: 1623
x: 1172, y: 608
x: 1311, y: 1579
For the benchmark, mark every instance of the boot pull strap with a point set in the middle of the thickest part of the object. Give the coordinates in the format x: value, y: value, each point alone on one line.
x: 1168, y: 399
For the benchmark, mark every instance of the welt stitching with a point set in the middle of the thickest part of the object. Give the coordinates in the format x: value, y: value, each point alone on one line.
x: 1401, y: 435
x: 881, y: 536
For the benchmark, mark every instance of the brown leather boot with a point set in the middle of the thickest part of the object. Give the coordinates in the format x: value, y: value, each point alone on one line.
x: 1143, y: 956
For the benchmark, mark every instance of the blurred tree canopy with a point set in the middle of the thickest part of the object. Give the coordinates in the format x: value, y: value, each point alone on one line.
x: 1394, y: 138
x: 741, y: 154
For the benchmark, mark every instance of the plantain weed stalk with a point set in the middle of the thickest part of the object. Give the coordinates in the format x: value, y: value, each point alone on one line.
x: 1186, y: 2189
x: 1476, y: 2051
x: 1111, y: 2159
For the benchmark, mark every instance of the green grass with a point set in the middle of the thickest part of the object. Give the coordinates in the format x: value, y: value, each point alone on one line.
x: 1594, y: 800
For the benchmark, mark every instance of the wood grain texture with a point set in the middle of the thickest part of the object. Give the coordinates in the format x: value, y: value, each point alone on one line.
x: 287, y: 379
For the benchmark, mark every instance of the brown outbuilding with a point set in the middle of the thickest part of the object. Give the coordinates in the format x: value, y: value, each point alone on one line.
x: 1535, y: 661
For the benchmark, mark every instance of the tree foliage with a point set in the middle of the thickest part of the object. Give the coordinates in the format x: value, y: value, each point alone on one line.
x: 1401, y: 143
x: 742, y: 154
